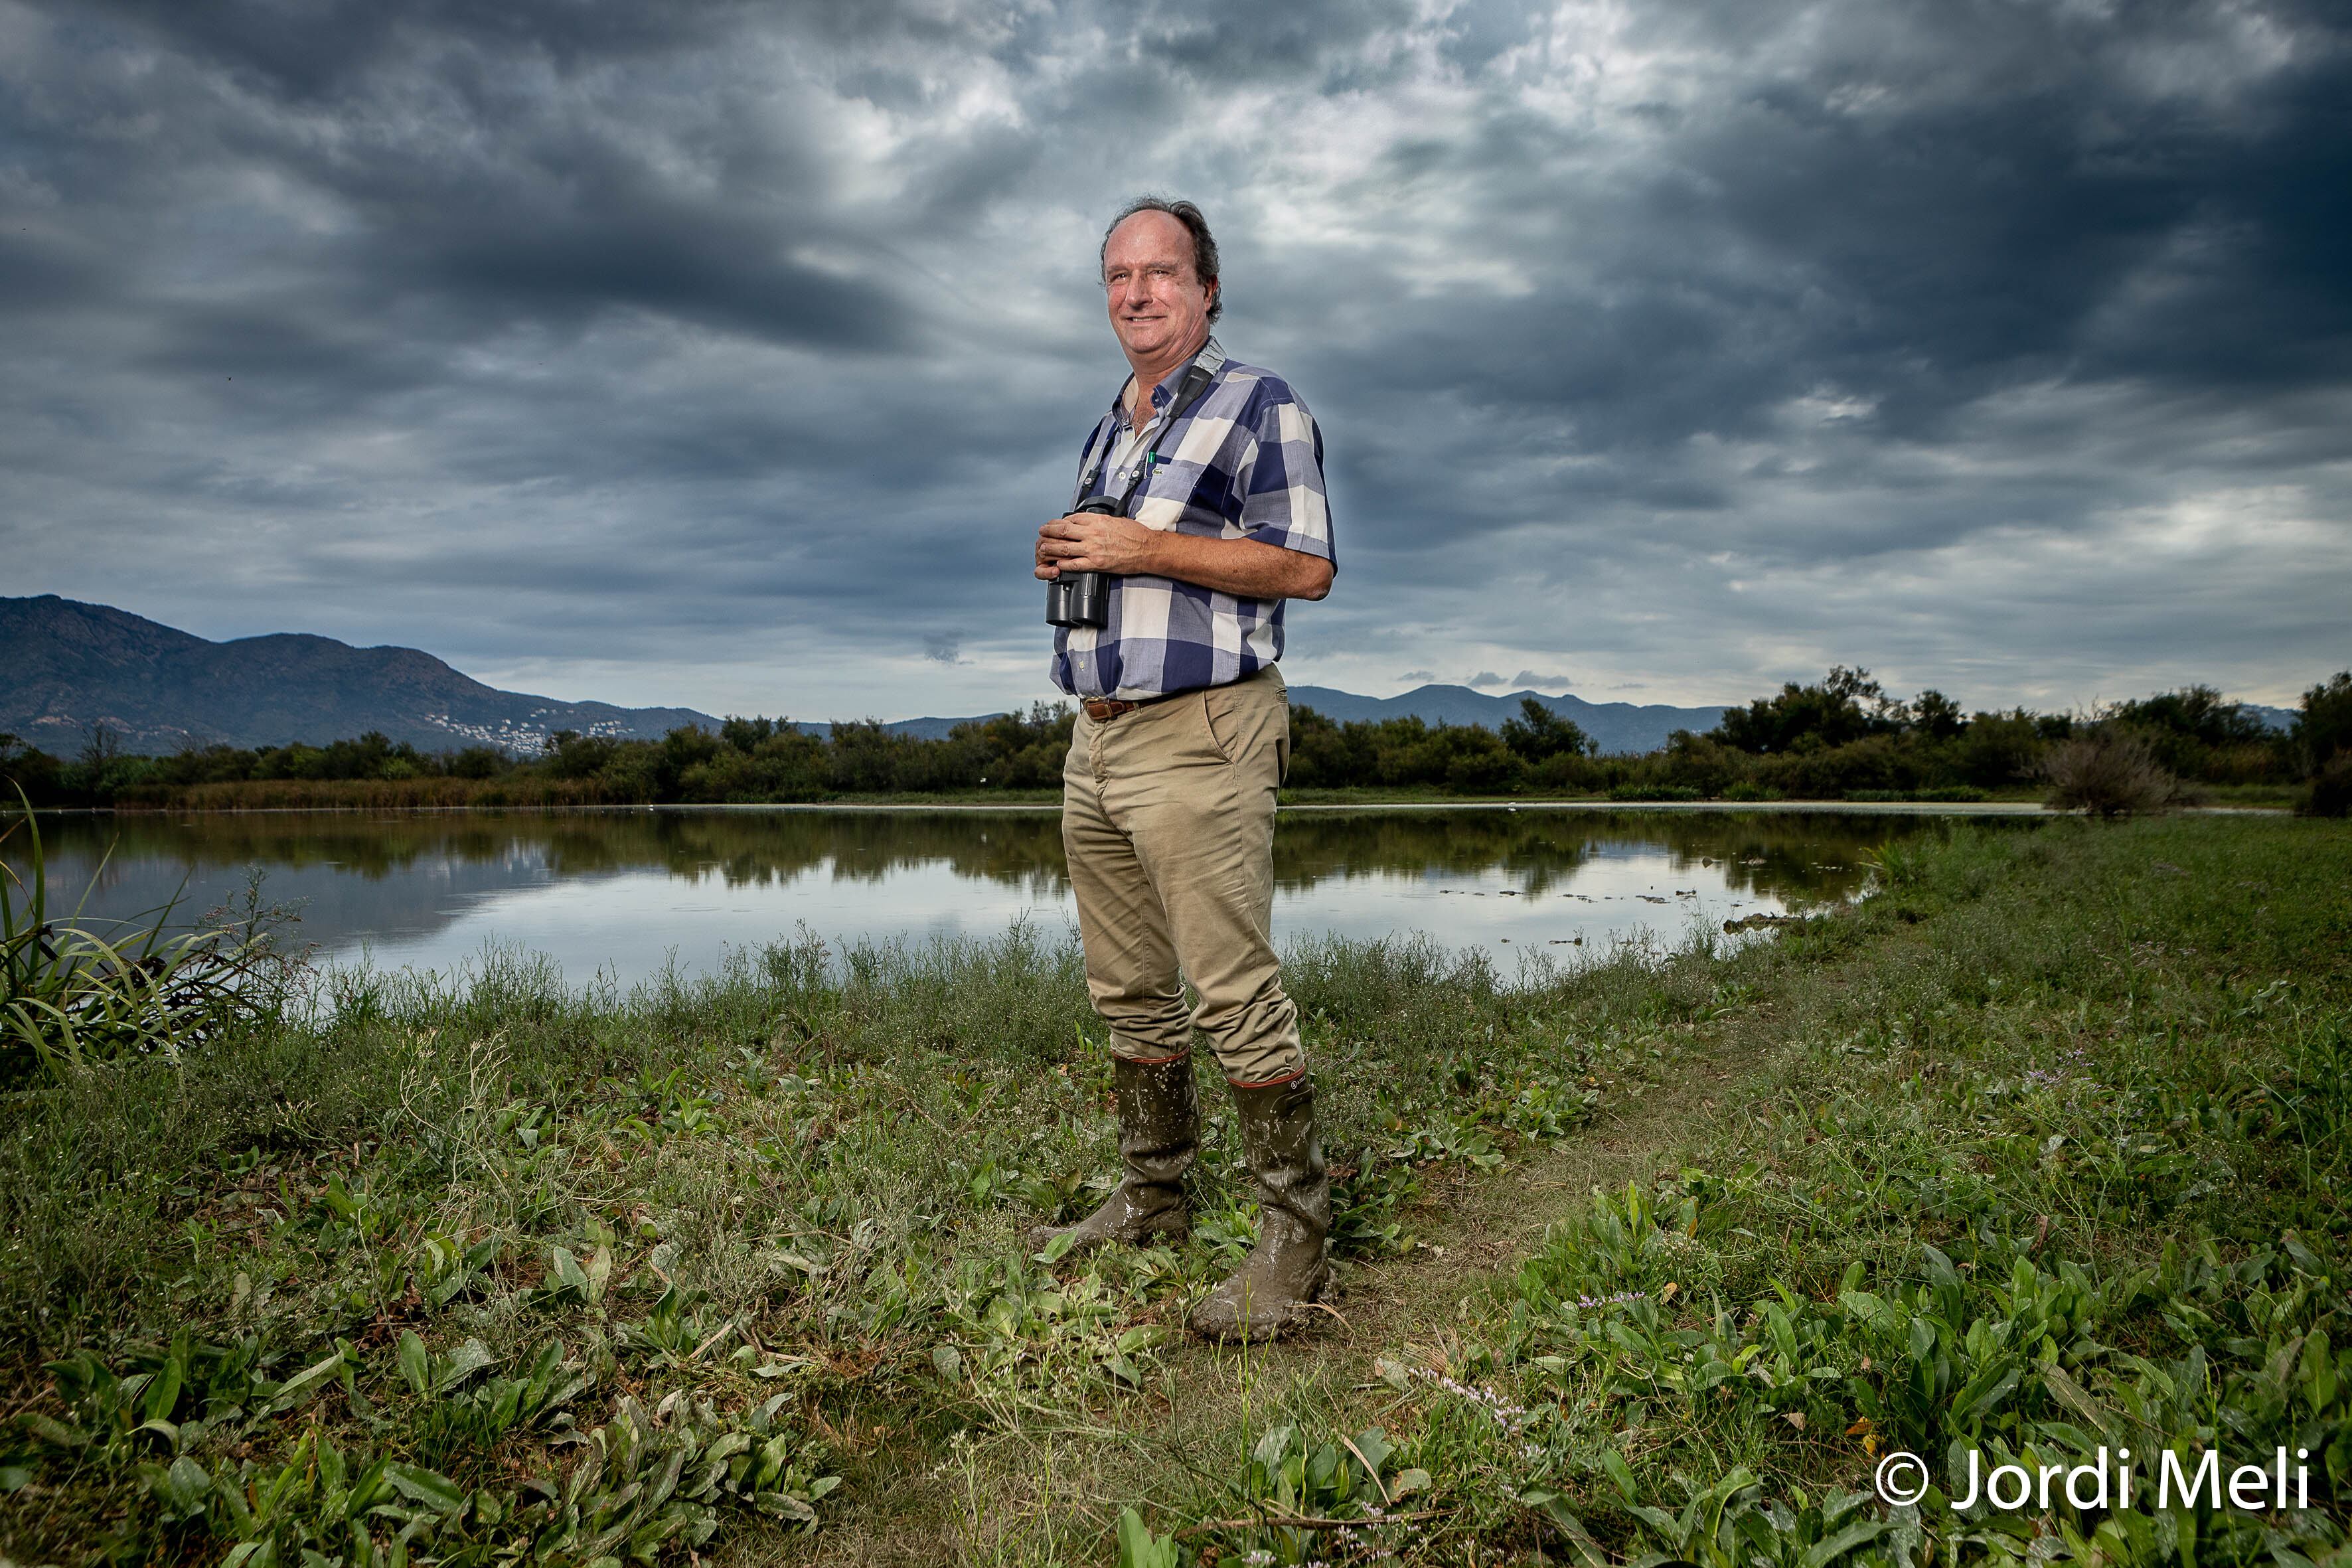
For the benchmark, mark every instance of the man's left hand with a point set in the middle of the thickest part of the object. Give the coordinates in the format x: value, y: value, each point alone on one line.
x: 1096, y: 541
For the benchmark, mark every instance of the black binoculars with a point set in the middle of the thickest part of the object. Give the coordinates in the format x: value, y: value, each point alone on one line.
x: 1082, y: 598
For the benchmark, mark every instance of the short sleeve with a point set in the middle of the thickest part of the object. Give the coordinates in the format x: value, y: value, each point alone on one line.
x: 1281, y: 477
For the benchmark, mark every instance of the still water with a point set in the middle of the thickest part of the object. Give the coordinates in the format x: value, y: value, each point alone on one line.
x: 628, y: 891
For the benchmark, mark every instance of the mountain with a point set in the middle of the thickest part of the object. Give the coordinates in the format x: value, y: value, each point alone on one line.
x: 1617, y: 726
x: 70, y: 666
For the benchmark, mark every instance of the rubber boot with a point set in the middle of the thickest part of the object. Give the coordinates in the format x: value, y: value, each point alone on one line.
x: 1287, y: 1267
x: 1159, y: 1132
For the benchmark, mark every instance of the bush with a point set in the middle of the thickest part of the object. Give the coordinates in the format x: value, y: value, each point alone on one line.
x: 1653, y: 792
x: 2000, y: 749
x: 2109, y: 773
x: 2323, y: 726
x: 2331, y: 789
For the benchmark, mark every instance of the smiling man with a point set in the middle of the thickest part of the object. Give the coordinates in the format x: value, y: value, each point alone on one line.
x: 1208, y: 475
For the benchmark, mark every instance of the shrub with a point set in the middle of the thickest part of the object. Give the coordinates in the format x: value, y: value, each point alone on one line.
x: 2324, y: 725
x: 2331, y: 788
x: 2000, y: 749
x: 2108, y: 774
x: 1698, y: 766
x: 1653, y: 792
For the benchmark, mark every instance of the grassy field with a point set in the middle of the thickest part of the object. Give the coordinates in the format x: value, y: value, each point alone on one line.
x: 2041, y: 1149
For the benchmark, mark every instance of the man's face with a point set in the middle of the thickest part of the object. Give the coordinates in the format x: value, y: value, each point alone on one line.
x: 1157, y: 306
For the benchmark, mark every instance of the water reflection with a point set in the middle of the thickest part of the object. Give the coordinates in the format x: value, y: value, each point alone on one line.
x: 625, y: 888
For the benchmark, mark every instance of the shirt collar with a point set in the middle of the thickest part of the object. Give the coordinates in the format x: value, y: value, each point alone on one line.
x: 1212, y: 358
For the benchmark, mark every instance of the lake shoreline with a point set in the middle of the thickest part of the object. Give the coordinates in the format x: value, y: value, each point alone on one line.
x: 621, y: 887
x: 1863, y: 807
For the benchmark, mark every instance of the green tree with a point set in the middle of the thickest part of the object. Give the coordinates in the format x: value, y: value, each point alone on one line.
x: 31, y: 769
x: 1936, y: 716
x: 747, y: 735
x: 2196, y: 732
x: 2198, y: 713
x: 2001, y: 748
x: 1845, y: 706
x: 2323, y: 725
x: 1539, y: 734
x: 569, y: 754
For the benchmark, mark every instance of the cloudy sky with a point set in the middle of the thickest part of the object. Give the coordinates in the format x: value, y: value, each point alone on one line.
x: 729, y: 354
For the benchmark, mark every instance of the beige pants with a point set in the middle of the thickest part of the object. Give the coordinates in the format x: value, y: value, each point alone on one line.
x: 1167, y: 818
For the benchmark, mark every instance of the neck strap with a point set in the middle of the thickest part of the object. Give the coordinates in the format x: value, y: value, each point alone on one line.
x: 1188, y: 391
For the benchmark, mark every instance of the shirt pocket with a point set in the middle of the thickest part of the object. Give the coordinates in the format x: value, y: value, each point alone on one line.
x: 1187, y: 498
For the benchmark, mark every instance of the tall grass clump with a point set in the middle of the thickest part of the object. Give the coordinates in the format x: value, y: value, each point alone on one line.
x: 69, y: 998
x: 2110, y: 774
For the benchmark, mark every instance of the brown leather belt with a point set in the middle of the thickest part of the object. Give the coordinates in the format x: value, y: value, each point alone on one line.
x: 1101, y: 708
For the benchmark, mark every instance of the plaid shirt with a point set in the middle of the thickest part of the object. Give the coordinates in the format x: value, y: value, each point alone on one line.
x: 1247, y: 463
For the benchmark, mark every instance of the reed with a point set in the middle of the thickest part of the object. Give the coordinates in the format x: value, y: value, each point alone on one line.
x: 71, y: 998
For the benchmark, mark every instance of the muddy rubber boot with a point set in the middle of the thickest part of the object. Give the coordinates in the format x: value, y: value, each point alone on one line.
x: 1159, y: 1132
x: 1287, y: 1269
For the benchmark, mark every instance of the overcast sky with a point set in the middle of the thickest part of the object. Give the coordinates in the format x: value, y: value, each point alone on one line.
x: 728, y: 355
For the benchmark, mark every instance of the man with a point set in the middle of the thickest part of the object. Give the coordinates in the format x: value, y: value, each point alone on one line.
x: 1168, y: 795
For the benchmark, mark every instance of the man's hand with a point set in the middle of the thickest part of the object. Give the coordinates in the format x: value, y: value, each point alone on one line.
x: 1246, y: 568
x: 1094, y: 542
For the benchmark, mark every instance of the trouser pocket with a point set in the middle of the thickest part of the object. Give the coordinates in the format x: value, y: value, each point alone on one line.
x: 1248, y: 725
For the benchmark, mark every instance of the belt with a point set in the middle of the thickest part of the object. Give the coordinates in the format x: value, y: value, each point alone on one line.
x: 1102, y: 708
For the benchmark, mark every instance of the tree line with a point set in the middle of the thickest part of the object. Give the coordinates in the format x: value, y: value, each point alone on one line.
x: 1841, y: 737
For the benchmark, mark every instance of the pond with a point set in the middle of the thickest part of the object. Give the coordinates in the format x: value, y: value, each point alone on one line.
x: 627, y: 891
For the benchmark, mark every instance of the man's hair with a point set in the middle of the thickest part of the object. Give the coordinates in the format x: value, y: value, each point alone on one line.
x: 1204, y: 245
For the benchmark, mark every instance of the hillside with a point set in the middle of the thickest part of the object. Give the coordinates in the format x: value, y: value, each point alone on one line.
x: 72, y: 666
x: 1617, y: 726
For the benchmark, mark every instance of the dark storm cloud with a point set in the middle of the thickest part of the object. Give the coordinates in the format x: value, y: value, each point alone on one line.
x: 710, y: 352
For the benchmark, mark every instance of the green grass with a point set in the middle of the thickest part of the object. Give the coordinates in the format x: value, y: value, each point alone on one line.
x: 2040, y: 1147
x: 71, y: 997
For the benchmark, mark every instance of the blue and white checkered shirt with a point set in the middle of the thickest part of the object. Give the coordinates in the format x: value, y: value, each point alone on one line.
x: 1246, y: 463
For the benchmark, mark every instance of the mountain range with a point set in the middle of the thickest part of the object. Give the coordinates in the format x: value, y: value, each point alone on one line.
x: 67, y: 667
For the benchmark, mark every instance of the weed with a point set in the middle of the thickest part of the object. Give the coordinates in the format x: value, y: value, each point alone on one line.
x: 2040, y: 1153
x: 71, y: 998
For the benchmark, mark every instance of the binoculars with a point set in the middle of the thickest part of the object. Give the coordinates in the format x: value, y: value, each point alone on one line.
x: 1082, y: 598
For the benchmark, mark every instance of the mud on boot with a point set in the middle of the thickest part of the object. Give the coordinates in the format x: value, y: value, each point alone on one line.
x: 1158, y: 1132
x: 1287, y: 1269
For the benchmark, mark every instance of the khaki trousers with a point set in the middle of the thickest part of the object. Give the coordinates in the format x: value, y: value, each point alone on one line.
x: 1167, y: 820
